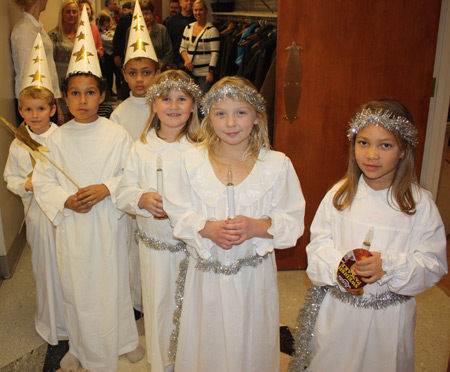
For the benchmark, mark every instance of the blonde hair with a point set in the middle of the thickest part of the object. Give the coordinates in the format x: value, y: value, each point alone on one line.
x: 200, y: 2
x: 36, y: 93
x: 191, y: 129
x: 258, y: 138
x: 404, y: 178
x: 64, y: 3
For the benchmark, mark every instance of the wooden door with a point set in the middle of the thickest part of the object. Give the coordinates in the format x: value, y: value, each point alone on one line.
x: 353, y: 52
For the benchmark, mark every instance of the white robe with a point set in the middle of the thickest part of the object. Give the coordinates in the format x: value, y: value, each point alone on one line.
x: 133, y: 114
x: 91, y: 247
x: 230, y: 322
x: 413, y: 251
x: 49, y: 319
x: 159, y: 269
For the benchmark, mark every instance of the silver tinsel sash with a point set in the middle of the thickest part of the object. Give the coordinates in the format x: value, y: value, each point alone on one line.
x: 158, y: 245
x: 307, y: 317
x: 179, y: 293
x: 216, y: 267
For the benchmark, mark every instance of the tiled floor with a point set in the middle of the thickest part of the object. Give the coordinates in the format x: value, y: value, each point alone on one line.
x: 23, y: 350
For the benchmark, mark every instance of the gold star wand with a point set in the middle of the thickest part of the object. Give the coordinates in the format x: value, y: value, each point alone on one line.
x: 33, y: 147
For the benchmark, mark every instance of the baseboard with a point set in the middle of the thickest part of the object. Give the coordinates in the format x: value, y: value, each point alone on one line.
x: 9, y: 262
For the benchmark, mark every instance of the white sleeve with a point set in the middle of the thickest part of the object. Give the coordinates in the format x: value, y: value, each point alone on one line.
x: 129, y: 190
x: 323, y: 257
x: 49, y: 194
x: 409, y: 273
x: 15, y: 182
x: 287, y: 209
x: 179, y: 206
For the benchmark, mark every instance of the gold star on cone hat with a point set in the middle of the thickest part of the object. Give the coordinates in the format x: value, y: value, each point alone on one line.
x: 139, y: 42
x: 36, y: 72
x: 84, y: 55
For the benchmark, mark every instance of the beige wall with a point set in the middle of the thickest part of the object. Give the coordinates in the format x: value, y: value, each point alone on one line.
x: 10, y: 206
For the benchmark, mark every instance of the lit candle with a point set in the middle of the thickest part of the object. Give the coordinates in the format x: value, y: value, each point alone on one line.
x: 230, y: 194
x: 159, y: 175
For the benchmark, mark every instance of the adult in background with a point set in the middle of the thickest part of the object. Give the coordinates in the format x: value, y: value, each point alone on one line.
x: 110, y: 10
x: 158, y: 34
x: 174, y: 8
x: 175, y: 26
x: 95, y: 32
x: 200, y: 47
x: 22, y: 38
x: 63, y: 37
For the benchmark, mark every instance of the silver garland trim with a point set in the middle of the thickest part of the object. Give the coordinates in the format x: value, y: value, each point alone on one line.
x: 179, y: 293
x: 247, y: 94
x: 387, y: 120
x: 216, y: 267
x: 162, y: 89
x: 306, y: 322
x: 370, y: 302
x: 307, y: 317
x: 158, y: 245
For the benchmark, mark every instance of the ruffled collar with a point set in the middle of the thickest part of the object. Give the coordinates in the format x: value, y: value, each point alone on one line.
x: 157, y: 144
x: 209, y: 189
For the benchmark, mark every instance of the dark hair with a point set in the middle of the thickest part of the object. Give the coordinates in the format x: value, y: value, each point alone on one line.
x: 127, y: 5
x: 101, y: 81
x: 102, y: 19
x: 147, y: 5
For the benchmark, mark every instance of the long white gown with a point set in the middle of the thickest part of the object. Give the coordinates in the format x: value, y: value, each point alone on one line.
x: 412, y: 249
x: 49, y: 319
x: 132, y: 114
x: 159, y: 268
x: 230, y: 323
x: 91, y: 247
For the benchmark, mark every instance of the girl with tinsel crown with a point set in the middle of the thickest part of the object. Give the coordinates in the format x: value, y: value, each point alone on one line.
x: 173, y: 127
x: 373, y: 331
x: 232, y: 201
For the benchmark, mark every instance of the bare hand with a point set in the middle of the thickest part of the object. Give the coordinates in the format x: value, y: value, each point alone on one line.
x: 209, y: 77
x: 28, y: 185
x: 92, y: 194
x: 218, y: 233
x: 244, y: 228
x: 370, y: 268
x: 189, y: 66
x: 152, y: 202
x: 76, y: 205
x: 118, y: 61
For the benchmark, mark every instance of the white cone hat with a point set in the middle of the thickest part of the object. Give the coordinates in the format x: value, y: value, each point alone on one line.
x: 37, y: 73
x: 139, y: 42
x: 84, y: 55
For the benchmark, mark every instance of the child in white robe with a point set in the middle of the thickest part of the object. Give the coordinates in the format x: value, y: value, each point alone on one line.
x: 139, y: 69
x: 90, y: 235
x: 230, y: 317
x: 373, y: 331
x: 36, y: 106
x: 172, y: 128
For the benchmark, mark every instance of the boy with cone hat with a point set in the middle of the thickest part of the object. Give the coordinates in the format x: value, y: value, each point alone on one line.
x: 139, y: 69
x: 90, y: 234
x: 36, y: 105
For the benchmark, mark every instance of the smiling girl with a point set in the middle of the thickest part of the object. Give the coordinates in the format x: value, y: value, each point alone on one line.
x: 172, y: 128
x: 229, y: 320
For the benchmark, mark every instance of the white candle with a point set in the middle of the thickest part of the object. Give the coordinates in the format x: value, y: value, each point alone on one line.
x: 159, y: 175
x: 230, y: 194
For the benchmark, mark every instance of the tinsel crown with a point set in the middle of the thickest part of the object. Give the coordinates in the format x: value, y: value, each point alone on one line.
x: 385, y: 119
x: 162, y: 89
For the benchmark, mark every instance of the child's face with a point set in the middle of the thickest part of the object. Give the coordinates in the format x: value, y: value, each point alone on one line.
x: 139, y: 74
x: 83, y: 98
x: 37, y: 112
x: 377, y: 154
x: 233, y: 121
x: 174, y: 110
